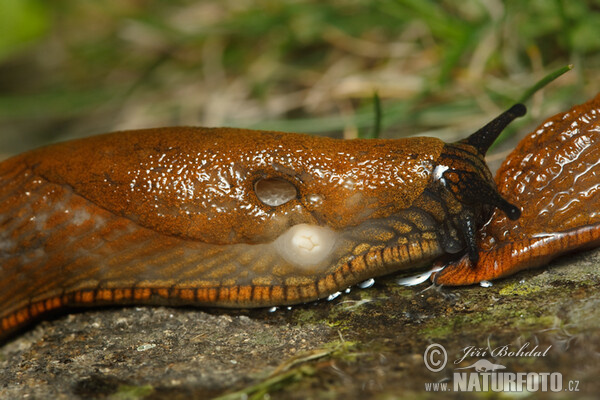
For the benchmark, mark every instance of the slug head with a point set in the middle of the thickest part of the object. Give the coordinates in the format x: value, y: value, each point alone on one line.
x: 482, y: 140
x: 462, y: 172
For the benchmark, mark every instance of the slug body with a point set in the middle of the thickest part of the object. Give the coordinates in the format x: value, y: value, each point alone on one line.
x: 554, y: 175
x: 230, y: 217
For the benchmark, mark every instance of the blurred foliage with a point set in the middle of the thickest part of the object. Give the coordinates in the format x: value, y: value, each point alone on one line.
x: 439, y: 67
x: 21, y: 22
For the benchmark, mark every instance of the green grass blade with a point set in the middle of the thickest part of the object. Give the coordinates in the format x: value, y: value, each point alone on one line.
x: 544, y: 81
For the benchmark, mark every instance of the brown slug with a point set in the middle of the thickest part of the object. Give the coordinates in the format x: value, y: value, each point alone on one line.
x: 231, y: 217
x: 554, y: 176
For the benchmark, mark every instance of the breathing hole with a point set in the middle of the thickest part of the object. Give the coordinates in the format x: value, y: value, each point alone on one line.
x: 275, y: 191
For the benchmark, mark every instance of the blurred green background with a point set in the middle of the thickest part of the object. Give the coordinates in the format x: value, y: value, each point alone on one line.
x: 73, y: 68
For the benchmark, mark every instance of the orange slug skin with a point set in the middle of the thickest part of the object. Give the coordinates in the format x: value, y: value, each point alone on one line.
x: 230, y: 217
x: 554, y: 176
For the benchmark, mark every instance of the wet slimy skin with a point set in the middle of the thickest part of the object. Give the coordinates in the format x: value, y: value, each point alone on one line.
x: 554, y: 175
x: 230, y: 217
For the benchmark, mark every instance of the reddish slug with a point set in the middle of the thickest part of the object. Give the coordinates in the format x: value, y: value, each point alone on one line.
x: 554, y: 176
x: 231, y: 217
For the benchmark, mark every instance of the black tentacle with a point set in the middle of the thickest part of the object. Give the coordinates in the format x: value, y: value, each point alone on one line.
x: 484, y: 137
